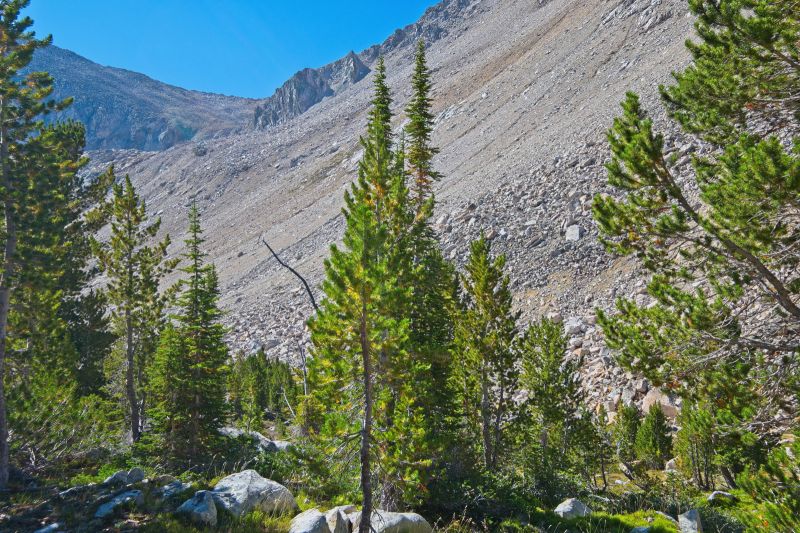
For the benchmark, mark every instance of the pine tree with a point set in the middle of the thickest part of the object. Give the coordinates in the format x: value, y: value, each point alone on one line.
x: 626, y: 426
x: 420, y: 126
x: 37, y: 165
x: 423, y: 267
x: 776, y: 488
x: 694, y: 446
x: 134, y: 269
x: 715, y: 258
x: 190, y: 373
x: 357, y: 331
x: 550, y: 377
x: 487, y: 376
x: 590, y: 449
x: 653, y: 439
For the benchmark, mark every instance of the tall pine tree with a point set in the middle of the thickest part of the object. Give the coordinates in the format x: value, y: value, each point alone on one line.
x: 37, y: 168
x: 718, y: 255
x: 190, y: 372
x: 134, y: 268
x: 487, y: 375
x: 357, y: 330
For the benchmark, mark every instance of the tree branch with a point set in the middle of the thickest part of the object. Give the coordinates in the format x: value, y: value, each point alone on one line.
x: 293, y: 271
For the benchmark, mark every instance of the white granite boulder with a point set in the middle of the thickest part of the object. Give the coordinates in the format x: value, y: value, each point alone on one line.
x: 572, y: 508
x: 243, y: 492
x: 386, y: 522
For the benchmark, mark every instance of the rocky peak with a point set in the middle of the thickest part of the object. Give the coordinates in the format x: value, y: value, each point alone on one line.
x: 309, y: 87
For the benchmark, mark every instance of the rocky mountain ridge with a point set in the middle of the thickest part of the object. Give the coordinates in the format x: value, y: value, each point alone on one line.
x: 310, y: 86
x: 123, y: 109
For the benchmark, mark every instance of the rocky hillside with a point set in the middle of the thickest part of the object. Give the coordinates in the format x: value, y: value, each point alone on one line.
x: 123, y: 109
x: 525, y: 90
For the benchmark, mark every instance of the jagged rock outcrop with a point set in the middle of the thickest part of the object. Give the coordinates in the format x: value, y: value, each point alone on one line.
x: 310, y: 86
x: 307, y: 88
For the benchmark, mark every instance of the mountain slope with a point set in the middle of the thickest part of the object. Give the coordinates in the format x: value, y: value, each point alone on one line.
x: 524, y: 91
x: 123, y: 109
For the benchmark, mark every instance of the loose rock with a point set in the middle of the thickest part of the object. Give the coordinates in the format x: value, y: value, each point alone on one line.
x: 311, y: 521
x: 386, y: 522
x: 689, y: 522
x: 200, y: 509
x: 572, y: 508
x: 243, y: 492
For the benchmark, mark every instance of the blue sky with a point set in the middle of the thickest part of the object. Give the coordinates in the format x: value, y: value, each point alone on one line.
x: 238, y: 47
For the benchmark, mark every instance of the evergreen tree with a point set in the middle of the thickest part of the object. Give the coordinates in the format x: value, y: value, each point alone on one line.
x: 590, y: 449
x: 357, y: 330
x: 626, y: 426
x: 420, y: 126
x: 694, y: 446
x: 552, y: 381
x: 487, y: 376
x: 134, y: 269
x: 424, y: 268
x: 776, y: 488
x: 715, y: 259
x: 261, y: 389
x: 653, y: 440
x: 190, y: 374
x: 37, y: 170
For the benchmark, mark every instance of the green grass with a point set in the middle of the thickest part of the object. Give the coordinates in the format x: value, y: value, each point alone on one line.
x: 255, y: 522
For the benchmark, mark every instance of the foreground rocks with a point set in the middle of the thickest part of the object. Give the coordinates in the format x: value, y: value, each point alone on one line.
x: 200, y: 509
x: 131, y: 497
x: 311, y: 521
x: 572, y: 508
x: 386, y: 522
x: 689, y: 522
x: 246, y: 491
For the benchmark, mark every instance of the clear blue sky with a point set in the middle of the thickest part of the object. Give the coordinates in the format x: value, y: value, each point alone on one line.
x: 238, y: 47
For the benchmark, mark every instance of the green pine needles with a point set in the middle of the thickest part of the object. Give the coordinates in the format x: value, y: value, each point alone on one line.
x: 191, y: 368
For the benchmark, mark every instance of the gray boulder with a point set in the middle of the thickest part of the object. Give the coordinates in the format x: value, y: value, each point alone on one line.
x: 172, y: 489
x: 337, y: 518
x: 200, y: 509
x: 641, y: 529
x: 572, y: 508
x: 386, y: 522
x: 689, y: 522
x: 135, y: 475
x: 262, y: 443
x: 117, y: 478
x: 573, y: 233
x: 721, y: 497
x: 131, y: 497
x: 243, y: 492
x: 311, y: 521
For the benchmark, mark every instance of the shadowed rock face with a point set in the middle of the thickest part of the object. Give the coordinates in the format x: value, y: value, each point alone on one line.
x: 124, y: 109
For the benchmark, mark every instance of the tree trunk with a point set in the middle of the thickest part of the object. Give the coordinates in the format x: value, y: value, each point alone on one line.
x: 366, y: 432
x: 130, y: 386
x: 5, y: 299
x: 486, y: 419
x: 729, y: 478
x: 9, y: 250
